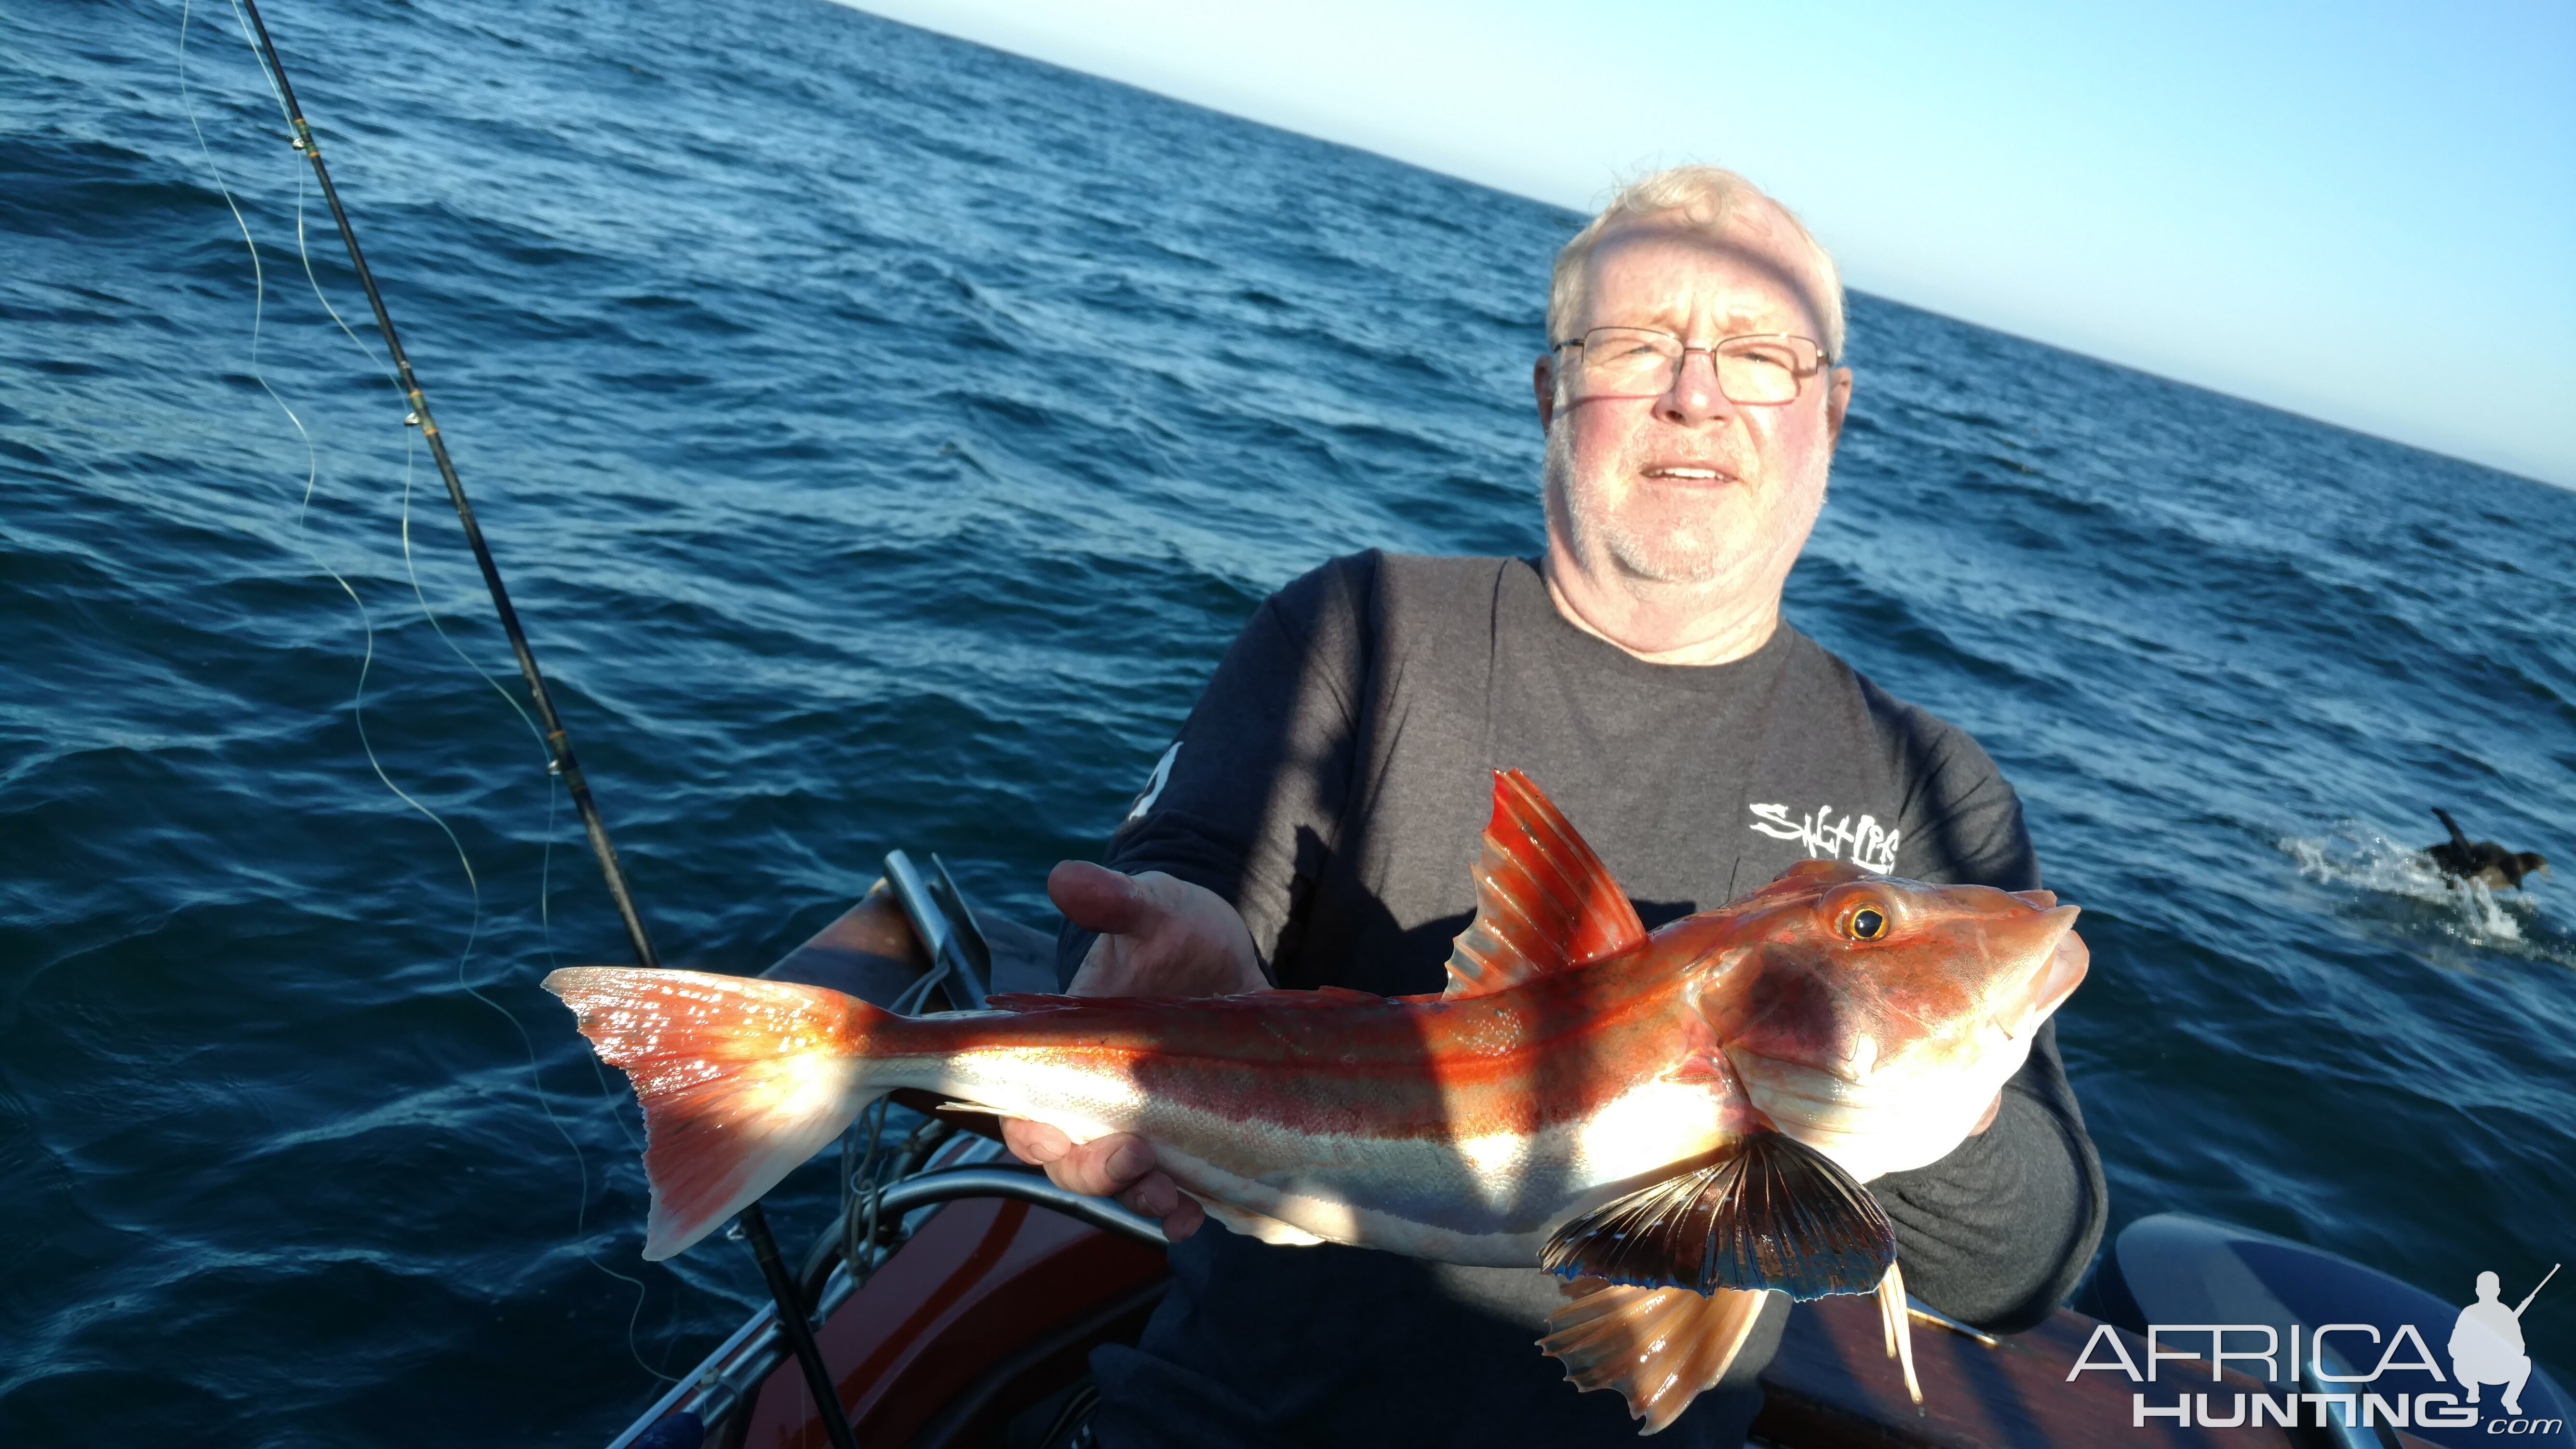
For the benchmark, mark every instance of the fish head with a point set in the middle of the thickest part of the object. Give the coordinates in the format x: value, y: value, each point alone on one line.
x: 1875, y: 1018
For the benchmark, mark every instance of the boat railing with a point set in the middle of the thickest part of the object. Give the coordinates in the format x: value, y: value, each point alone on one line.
x: 884, y: 1202
x: 752, y: 1352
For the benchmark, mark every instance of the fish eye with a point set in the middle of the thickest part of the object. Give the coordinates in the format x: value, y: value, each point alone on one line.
x: 1866, y: 924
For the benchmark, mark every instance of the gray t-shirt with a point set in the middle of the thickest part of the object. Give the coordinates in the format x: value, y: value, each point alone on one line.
x: 1334, y: 782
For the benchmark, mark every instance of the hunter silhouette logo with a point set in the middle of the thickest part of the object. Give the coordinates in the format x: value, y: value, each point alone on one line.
x: 2486, y: 1344
x: 2485, y: 1349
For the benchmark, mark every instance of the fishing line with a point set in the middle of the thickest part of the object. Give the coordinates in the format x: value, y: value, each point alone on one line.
x: 411, y: 570
x: 366, y: 621
x: 545, y: 914
x: 754, y: 1224
x: 859, y: 1188
x: 545, y: 918
x: 312, y: 476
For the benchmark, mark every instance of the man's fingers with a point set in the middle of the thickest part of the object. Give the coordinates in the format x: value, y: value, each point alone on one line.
x: 1096, y: 898
x: 1129, y: 1160
x: 1154, y: 1195
x: 1105, y: 1168
x: 1183, y: 1220
x: 1119, y: 1166
x: 1034, y: 1143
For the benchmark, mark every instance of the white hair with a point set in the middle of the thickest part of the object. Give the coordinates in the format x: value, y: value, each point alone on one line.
x: 1711, y: 199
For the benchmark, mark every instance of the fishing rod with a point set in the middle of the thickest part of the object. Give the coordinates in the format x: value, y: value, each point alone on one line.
x: 755, y: 1224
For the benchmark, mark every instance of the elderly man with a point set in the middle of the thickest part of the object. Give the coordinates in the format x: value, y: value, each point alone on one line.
x: 1314, y: 823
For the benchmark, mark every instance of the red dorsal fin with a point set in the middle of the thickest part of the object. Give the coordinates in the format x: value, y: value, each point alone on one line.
x: 1544, y: 901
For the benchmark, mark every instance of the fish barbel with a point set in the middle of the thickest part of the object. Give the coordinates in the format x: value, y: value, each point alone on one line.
x: 1676, y: 1122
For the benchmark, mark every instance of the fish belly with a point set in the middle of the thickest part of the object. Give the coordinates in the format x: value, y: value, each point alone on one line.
x: 1424, y: 1190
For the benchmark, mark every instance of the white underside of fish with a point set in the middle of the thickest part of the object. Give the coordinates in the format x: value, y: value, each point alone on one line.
x: 1488, y: 1201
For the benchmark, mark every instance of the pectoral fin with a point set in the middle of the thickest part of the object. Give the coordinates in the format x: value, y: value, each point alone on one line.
x: 1772, y: 1214
x: 1659, y: 1347
x: 1898, y: 1326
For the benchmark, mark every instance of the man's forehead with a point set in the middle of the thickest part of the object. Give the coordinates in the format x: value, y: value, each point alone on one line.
x: 1754, y: 273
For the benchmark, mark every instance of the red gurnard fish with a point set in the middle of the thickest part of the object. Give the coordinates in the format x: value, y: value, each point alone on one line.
x: 1676, y: 1123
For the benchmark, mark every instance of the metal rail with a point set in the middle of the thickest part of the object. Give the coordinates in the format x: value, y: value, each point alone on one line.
x: 751, y: 1353
x: 969, y: 963
x: 1028, y: 1185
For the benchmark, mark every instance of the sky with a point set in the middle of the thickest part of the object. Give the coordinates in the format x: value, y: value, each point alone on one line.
x: 2361, y: 212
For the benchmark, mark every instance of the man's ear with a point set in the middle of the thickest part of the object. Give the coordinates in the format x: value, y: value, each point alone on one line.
x: 1543, y: 383
x: 1837, y: 402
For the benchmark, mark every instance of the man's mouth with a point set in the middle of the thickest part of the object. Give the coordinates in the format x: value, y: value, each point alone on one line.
x: 1689, y: 473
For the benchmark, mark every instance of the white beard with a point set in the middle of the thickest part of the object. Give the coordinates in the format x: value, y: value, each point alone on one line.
x: 1693, y: 552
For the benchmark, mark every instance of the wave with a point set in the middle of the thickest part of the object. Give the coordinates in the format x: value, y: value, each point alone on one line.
x: 2353, y: 855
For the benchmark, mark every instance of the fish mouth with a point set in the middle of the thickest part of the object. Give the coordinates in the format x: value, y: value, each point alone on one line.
x: 2063, y: 963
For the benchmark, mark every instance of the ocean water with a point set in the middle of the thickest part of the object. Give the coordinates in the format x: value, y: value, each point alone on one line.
x: 882, y: 436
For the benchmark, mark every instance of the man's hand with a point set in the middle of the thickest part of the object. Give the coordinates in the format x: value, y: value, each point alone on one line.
x: 1158, y: 937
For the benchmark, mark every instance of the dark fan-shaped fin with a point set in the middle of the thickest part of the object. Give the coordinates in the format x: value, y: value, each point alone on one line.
x: 1544, y: 901
x: 1659, y: 1347
x: 1774, y: 1213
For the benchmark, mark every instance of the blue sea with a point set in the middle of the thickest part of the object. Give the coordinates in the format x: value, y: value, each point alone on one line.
x: 882, y: 437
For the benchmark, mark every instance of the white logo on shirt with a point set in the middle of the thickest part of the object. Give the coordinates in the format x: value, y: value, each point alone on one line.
x: 1154, y: 786
x: 1872, y: 846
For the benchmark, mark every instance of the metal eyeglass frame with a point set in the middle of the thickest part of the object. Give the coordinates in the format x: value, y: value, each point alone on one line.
x: 1824, y: 363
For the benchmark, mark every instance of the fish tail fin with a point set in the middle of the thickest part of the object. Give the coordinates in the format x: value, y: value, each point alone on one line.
x: 741, y: 1080
x: 1659, y: 1347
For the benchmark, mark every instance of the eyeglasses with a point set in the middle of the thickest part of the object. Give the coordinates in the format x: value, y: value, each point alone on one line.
x: 1760, y: 370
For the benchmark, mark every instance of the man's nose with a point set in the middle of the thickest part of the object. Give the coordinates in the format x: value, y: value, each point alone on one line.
x: 1694, y: 396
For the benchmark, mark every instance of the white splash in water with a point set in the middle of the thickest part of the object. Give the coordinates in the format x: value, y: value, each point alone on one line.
x: 2352, y: 854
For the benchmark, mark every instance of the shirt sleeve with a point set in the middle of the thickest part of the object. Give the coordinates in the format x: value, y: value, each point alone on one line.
x: 1998, y: 1232
x: 1961, y: 820
x: 1247, y: 802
